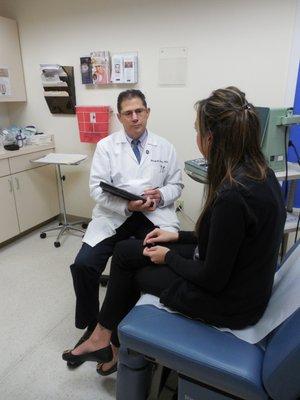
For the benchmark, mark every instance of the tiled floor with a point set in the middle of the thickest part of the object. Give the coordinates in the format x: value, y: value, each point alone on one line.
x: 36, y: 322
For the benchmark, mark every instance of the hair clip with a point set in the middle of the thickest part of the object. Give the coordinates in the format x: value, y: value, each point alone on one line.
x: 246, y: 106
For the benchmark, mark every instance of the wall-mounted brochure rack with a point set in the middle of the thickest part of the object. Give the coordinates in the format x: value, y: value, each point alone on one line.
x: 101, y: 69
x: 59, y: 88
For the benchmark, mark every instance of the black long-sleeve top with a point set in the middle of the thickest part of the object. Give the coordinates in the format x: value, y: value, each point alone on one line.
x: 238, y: 241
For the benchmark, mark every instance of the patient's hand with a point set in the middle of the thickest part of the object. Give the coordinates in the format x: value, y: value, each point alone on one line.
x: 156, y: 254
x: 160, y: 236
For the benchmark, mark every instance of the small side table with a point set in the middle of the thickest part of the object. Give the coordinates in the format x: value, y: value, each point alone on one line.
x: 58, y: 160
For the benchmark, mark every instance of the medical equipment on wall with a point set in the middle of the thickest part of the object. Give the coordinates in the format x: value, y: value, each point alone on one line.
x: 274, y: 140
x: 93, y: 122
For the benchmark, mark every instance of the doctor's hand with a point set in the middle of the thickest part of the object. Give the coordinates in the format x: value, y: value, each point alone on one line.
x: 160, y: 236
x: 138, y: 205
x: 156, y: 254
x: 154, y: 194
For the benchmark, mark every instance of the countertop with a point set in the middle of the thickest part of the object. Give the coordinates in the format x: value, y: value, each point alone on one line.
x: 31, y: 148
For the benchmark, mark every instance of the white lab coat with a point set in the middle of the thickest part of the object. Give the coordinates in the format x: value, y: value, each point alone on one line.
x: 114, y: 162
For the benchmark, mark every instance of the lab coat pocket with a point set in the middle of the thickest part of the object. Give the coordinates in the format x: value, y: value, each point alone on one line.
x: 159, y: 172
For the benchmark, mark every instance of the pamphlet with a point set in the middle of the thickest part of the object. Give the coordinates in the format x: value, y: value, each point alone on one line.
x: 124, y: 68
x: 117, y: 69
x: 86, y: 70
x: 130, y: 68
x: 100, y: 61
x: 5, y: 89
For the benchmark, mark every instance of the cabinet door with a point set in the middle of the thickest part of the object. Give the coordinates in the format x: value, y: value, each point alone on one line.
x: 9, y: 226
x: 10, y: 56
x: 36, y: 196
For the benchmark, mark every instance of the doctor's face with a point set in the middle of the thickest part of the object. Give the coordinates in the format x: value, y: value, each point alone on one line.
x: 133, y: 117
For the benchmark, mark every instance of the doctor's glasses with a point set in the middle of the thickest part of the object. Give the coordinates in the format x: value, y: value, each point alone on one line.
x: 138, y: 112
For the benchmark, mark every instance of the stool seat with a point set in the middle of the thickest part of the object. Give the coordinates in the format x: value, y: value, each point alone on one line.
x: 201, y: 352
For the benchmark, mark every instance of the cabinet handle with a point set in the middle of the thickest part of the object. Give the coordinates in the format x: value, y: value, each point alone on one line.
x: 17, y: 183
x: 10, y: 185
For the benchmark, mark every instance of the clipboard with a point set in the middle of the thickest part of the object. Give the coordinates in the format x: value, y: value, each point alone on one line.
x: 106, y: 187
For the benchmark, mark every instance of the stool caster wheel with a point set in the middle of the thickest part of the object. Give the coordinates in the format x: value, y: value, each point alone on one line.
x: 43, y: 235
x: 56, y: 244
x: 84, y: 225
x: 60, y: 223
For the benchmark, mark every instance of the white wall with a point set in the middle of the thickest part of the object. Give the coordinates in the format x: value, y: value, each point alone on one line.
x: 294, y: 60
x: 230, y: 42
x: 4, y: 118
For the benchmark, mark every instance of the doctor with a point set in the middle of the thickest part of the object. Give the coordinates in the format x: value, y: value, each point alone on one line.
x: 138, y: 161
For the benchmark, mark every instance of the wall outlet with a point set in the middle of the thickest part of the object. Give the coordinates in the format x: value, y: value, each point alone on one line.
x: 179, y: 205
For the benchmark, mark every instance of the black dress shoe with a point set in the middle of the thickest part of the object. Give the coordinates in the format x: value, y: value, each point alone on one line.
x: 102, y: 355
x: 84, y: 337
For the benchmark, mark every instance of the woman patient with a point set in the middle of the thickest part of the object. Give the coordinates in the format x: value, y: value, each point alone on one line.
x: 222, y: 273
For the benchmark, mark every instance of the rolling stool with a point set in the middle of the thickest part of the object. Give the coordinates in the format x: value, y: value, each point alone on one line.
x: 64, y: 226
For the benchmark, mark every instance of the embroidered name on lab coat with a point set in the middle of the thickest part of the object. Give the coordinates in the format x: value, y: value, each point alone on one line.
x: 163, y: 164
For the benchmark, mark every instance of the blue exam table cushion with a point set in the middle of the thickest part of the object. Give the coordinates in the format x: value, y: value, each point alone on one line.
x: 194, y: 349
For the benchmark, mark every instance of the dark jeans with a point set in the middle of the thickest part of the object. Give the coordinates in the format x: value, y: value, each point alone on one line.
x: 90, y: 262
x: 131, y: 273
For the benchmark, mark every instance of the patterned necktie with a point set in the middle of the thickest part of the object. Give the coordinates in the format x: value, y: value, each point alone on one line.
x: 135, y: 147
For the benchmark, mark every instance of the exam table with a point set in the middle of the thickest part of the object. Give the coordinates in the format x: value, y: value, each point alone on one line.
x: 211, y: 364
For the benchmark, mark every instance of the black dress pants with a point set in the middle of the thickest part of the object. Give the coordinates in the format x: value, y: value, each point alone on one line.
x: 131, y: 274
x: 90, y: 262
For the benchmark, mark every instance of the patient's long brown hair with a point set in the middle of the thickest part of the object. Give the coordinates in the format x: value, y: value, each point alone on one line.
x: 235, y: 129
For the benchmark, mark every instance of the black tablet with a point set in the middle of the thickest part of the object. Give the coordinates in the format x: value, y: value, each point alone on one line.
x: 120, y: 192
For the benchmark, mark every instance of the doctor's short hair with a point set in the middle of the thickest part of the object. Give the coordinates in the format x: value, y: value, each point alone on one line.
x: 128, y: 95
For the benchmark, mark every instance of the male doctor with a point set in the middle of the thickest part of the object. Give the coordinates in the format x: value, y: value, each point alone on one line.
x: 138, y: 161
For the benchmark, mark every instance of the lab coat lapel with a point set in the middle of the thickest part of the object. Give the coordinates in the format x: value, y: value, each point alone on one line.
x: 149, y: 147
x: 122, y: 140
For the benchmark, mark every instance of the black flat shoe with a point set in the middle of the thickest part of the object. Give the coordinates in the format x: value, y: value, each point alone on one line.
x: 109, y: 371
x: 84, y: 337
x: 102, y: 356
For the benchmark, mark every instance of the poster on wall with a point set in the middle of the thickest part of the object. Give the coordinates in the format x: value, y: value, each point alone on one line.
x: 5, y: 89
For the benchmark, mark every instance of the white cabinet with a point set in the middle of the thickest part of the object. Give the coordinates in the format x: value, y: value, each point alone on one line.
x: 35, y: 195
x: 10, y: 58
x: 8, y: 213
x: 28, y: 192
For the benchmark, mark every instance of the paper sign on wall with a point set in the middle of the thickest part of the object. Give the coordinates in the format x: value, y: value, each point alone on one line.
x: 172, y: 65
x: 5, y: 89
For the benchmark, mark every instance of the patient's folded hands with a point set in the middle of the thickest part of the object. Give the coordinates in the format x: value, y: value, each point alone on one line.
x: 160, y: 236
x: 156, y: 254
